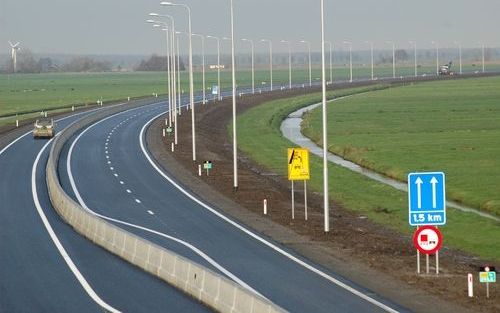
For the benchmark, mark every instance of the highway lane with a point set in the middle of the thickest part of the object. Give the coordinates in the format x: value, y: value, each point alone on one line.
x: 47, y: 267
x: 115, y: 179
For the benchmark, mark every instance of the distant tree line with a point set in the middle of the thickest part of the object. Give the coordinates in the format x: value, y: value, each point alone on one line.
x: 156, y: 63
x: 27, y: 63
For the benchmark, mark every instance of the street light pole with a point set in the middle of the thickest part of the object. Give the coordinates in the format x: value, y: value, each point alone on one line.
x: 218, y: 66
x: 331, y: 60
x: 414, y: 43
x: 371, y: 53
x: 270, y: 59
x: 191, y: 84
x: 393, y: 58
x: 173, y: 66
x: 163, y: 27
x: 289, y: 63
x: 437, y: 56
x: 235, y: 146
x: 459, y: 44
x: 308, y: 43
x: 483, y: 47
x: 326, y: 205
x: 350, y: 59
x: 253, y: 64
x: 203, y: 64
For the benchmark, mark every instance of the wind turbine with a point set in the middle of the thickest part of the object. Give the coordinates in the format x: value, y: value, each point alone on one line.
x: 15, y: 48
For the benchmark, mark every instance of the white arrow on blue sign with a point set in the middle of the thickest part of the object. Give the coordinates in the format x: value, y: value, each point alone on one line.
x: 427, y: 199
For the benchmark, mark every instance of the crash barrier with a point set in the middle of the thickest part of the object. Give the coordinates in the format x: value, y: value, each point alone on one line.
x: 208, y: 287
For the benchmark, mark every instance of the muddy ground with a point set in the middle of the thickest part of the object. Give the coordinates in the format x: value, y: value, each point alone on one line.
x: 366, y: 253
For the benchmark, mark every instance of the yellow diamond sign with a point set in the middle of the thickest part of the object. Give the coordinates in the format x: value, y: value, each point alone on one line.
x: 298, y: 164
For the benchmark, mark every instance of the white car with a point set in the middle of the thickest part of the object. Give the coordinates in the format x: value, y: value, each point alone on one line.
x: 44, y: 128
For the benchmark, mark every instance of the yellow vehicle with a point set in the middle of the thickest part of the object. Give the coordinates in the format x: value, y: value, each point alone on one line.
x: 44, y: 128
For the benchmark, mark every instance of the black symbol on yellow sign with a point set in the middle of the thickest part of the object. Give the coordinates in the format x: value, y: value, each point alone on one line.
x: 298, y: 164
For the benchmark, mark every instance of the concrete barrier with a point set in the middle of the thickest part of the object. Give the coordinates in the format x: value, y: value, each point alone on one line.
x: 208, y: 287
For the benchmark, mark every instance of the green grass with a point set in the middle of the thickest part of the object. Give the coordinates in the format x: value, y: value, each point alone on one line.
x: 260, y: 138
x: 450, y: 126
x: 23, y: 93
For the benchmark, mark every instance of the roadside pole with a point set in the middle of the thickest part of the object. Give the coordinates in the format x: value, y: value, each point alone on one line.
x: 305, y: 199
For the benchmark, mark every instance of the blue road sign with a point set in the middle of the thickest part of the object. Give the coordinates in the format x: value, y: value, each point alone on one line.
x: 426, y: 199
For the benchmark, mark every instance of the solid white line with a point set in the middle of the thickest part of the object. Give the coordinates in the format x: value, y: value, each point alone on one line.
x: 175, y: 239
x: 253, y: 235
x: 83, y: 282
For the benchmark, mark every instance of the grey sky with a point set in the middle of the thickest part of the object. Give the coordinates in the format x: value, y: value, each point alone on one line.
x: 118, y: 27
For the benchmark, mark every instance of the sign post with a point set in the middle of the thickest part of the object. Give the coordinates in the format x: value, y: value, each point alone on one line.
x: 298, y: 169
x: 427, y: 205
x: 487, y: 274
x: 207, y: 165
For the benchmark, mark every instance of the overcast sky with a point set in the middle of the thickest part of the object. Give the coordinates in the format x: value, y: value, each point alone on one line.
x: 118, y: 26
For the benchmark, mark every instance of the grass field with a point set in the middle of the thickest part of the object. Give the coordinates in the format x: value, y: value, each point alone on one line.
x: 260, y: 138
x: 450, y: 126
x: 23, y: 93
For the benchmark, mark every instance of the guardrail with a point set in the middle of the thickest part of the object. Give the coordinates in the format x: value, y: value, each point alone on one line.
x: 208, y: 287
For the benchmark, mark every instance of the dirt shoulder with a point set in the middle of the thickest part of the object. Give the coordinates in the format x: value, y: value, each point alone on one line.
x: 368, y: 254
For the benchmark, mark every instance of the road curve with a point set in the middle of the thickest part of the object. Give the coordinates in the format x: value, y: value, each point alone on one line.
x: 47, y: 267
x: 113, y: 177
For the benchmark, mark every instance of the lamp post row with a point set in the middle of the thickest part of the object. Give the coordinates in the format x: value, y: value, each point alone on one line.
x: 172, y: 69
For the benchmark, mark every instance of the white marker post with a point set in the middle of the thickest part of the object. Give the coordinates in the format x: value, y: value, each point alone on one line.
x: 173, y: 147
x: 265, y: 206
x: 17, y: 121
x: 163, y: 132
x: 470, y: 285
x: 199, y: 169
x: 293, y: 202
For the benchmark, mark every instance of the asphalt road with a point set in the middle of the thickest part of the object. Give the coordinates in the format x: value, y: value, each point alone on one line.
x: 47, y: 267
x: 109, y: 173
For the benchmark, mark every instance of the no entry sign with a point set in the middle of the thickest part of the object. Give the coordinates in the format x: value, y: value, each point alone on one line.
x: 428, y: 239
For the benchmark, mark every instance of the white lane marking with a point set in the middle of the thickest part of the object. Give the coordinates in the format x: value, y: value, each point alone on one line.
x: 255, y: 236
x: 107, y: 157
x: 116, y: 175
x: 109, y: 162
x: 129, y: 191
x: 138, y: 201
x: 151, y: 212
x: 83, y: 282
x: 175, y: 239
x: 111, y: 168
x: 121, y: 182
x: 29, y: 132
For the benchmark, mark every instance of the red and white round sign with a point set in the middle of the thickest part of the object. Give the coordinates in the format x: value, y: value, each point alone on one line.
x: 428, y: 239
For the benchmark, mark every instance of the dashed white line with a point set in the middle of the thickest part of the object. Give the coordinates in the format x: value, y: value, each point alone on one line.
x: 138, y: 201
x: 151, y: 212
x: 116, y: 175
x: 111, y: 168
x: 121, y: 182
x: 129, y: 191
